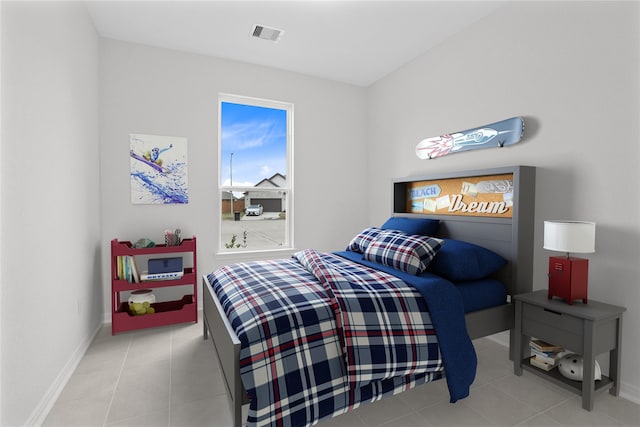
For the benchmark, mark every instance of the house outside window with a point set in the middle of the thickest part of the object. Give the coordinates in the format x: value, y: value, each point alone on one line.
x: 255, y: 174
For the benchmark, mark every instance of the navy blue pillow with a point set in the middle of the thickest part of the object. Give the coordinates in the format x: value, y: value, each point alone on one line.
x: 461, y: 261
x: 420, y: 226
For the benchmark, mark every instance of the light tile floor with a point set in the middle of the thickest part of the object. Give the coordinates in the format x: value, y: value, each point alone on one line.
x: 169, y: 377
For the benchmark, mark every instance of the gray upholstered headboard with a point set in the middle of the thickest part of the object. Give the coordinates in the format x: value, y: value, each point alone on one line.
x: 509, y: 234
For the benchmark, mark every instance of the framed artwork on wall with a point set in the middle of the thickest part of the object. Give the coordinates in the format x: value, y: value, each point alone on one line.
x: 158, y: 169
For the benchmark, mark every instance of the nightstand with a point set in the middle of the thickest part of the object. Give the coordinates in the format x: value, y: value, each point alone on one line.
x: 587, y: 329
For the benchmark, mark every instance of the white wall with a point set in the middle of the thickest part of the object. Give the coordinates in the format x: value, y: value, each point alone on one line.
x: 51, y: 287
x: 571, y: 69
x: 163, y: 92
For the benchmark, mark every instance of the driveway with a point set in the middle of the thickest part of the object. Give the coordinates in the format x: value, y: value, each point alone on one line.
x: 266, y: 231
x: 265, y: 215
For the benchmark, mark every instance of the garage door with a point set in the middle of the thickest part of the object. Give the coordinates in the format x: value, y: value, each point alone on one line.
x: 269, y: 205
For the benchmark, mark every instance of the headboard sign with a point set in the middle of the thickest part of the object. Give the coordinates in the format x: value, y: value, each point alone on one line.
x: 486, y: 195
x: 493, y: 208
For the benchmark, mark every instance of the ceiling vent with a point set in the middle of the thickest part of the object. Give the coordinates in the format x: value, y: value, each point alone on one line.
x: 266, y: 33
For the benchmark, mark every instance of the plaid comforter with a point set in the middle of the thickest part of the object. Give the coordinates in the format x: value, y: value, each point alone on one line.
x: 321, y: 334
x: 385, y: 325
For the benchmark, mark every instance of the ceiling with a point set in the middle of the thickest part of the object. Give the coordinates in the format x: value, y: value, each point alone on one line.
x: 356, y: 42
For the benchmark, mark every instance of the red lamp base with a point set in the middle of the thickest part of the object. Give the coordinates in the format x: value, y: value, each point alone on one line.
x: 568, y: 278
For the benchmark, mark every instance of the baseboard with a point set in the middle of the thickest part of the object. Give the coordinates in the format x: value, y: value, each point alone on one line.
x: 627, y: 391
x: 630, y: 392
x: 41, y: 411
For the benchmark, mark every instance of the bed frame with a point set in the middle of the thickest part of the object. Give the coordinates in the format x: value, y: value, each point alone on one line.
x: 510, y: 237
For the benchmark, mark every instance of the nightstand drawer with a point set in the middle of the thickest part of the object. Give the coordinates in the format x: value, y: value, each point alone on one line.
x: 552, y: 326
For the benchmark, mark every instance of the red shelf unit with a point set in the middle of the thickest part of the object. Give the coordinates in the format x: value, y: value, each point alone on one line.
x: 167, y: 312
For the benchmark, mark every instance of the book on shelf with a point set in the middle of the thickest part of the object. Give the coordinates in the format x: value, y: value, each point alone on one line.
x: 127, y: 269
x: 548, y: 357
x: 545, y: 355
x: 146, y: 276
x: 534, y: 361
x: 135, y: 272
x: 544, y: 346
x: 119, y: 268
x: 121, y: 263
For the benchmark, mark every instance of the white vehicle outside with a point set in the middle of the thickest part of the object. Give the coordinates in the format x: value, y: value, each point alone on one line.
x: 254, y: 210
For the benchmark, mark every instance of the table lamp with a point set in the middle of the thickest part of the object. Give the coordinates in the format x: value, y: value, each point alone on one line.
x: 568, y: 276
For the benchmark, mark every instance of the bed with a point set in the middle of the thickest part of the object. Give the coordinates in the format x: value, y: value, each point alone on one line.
x: 492, y: 209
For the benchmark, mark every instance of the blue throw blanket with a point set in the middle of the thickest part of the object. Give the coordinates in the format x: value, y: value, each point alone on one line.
x: 447, y: 314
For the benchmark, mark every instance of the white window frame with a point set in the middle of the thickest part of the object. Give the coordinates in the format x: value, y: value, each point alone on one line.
x: 288, y: 244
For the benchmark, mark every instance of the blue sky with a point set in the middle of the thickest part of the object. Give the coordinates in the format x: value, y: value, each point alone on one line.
x: 257, y: 137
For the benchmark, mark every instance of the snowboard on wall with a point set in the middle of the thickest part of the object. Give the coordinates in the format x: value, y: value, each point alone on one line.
x: 499, y: 134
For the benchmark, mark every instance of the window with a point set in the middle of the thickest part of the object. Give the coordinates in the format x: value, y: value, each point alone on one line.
x: 255, y: 174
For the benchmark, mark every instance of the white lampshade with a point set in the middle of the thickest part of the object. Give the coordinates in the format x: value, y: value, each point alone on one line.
x: 570, y: 236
